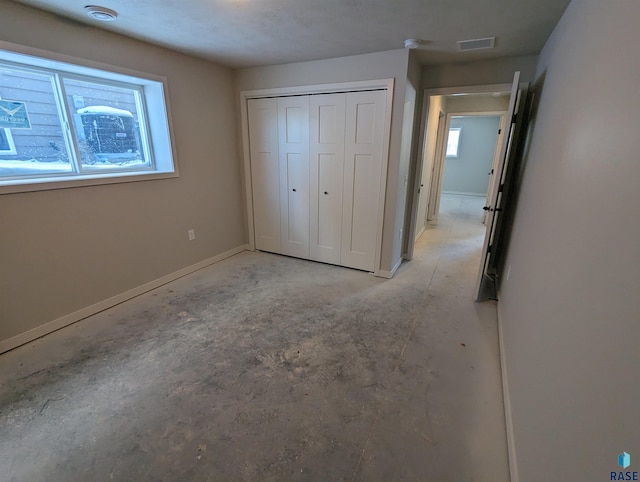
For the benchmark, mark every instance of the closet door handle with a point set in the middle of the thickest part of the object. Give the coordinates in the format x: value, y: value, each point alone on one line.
x: 294, y: 190
x: 326, y: 192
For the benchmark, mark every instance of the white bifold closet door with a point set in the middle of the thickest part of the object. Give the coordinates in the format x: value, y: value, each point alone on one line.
x: 293, y: 136
x: 364, y: 141
x: 265, y: 172
x: 316, y: 173
x: 326, y: 145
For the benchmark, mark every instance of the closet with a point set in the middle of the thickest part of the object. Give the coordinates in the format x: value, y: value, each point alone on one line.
x: 316, y: 175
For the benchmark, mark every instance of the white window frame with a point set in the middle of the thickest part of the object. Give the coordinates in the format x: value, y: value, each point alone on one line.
x: 140, y: 107
x: 151, y: 99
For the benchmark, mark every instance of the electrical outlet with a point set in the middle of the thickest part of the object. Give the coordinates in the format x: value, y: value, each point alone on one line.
x: 192, y: 234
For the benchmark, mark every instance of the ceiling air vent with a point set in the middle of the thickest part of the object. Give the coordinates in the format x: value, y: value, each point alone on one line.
x: 477, y: 44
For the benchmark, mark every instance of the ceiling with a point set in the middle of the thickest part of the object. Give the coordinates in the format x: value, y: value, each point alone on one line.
x: 244, y: 33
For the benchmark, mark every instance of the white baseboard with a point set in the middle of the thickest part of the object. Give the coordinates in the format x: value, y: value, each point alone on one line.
x: 389, y: 274
x: 27, y: 336
x: 511, y: 445
x: 462, y: 193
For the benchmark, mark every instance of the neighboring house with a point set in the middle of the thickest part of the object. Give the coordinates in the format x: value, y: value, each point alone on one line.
x: 44, y: 142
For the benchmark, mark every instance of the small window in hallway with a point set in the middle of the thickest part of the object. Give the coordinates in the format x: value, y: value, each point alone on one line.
x: 453, y: 141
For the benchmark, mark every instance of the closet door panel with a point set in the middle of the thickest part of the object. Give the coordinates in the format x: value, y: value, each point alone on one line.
x: 293, y: 134
x: 265, y: 177
x: 365, y: 113
x: 326, y: 146
x: 362, y: 202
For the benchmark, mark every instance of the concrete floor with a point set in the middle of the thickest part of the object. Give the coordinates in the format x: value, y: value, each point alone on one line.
x: 264, y: 367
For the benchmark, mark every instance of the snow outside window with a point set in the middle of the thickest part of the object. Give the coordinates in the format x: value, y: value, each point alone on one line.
x: 62, y: 124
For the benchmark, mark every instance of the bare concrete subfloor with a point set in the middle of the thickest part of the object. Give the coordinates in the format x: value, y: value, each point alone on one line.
x: 266, y: 368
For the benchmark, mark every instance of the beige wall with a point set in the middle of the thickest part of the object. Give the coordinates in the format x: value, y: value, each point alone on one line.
x: 380, y: 65
x: 63, y: 250
x: 571, y: 306
x: 498, y: 71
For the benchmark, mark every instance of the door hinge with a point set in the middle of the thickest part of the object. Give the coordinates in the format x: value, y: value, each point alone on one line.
x: 501, y: 188
x: 514, y: 118
x: 499, y: 131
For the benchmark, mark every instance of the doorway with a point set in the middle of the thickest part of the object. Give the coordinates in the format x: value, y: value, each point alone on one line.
x: 471, y: 147
x: 444, y: 110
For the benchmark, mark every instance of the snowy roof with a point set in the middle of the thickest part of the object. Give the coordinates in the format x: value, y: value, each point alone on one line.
x: 104, y: 109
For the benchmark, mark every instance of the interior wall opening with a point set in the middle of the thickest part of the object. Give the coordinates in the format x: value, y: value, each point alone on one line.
x: 443, y: 106
x: 456, y: 174
x: 470, y: 155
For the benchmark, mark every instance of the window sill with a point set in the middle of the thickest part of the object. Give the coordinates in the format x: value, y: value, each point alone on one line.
x: 14, y: 187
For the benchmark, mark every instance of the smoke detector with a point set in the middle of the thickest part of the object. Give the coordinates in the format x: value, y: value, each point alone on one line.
x: 477, y: 44
x: 412, y: 43
x: 101, y: 14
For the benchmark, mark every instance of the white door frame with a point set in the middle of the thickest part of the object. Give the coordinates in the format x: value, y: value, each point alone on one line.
x: 425, y: 188
x: 426, y: 103
x: 318, y: 89
x: 435, y: 189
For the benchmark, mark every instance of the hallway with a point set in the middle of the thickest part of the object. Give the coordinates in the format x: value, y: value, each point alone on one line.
x: 264, y: 367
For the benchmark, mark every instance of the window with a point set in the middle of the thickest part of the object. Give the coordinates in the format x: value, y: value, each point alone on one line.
x: 7, y: 146
x: 63, y: 124
x: 453, y: 142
